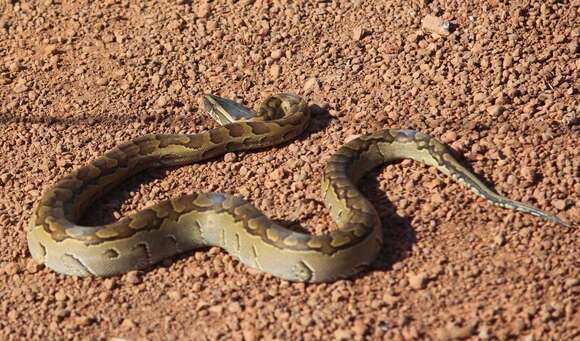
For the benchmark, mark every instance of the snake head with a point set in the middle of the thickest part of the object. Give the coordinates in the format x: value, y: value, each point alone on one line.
x: 281, y: 105
x: 225, y: 111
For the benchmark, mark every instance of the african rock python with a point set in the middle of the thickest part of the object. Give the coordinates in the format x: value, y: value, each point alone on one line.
x: 197, y: 220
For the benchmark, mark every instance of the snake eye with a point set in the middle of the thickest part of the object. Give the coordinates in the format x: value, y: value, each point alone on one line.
x: 112, y: 253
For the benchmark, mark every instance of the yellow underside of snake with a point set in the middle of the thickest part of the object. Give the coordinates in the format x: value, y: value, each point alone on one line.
x: 214, y: 219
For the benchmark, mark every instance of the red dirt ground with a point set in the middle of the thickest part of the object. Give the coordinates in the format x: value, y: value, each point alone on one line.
x: 77, y: 79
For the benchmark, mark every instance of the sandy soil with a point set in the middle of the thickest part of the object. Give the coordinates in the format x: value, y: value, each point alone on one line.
x: 78, y: 79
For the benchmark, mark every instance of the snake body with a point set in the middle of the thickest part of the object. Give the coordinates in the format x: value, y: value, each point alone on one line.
x: 214, y: 219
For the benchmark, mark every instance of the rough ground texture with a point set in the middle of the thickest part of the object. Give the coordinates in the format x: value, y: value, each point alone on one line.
x: 77, y: 79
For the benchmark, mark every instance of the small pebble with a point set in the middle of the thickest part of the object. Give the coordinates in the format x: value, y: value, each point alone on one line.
x: 479, y: 97
x: 14, y: 67
x: 358, y: 33
x: 203, y: 10
x: 174, y: 295
x: 162, y: 101
x: 359, y: 328
x: 276, y: 54
x: 449, y: 136
x: 234, y: 307
x: 60, y: 296
x: 230, y: 157
x: 133, y: 277
x: 12, y: 268
x: 343, y: 335
x: 559, y: 204
x: 110, y: 283
x: 311, y: 84
x: 83, y: 321
x: 571, y: 282
x: 275, y: 71
x: 101, y: 81
x: 128, y: 324
x: 20, y: 86
x: 495, y: 110
x: 33, y: 267
x: 418, y: 281
x: 433, y: 24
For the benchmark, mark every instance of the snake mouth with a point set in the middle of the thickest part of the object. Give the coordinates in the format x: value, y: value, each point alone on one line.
x: 226, y: 111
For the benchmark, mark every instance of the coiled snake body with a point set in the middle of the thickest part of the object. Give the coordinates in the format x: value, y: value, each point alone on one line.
x: 197, y: 220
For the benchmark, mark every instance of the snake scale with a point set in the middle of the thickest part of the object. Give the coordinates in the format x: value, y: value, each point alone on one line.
x: 214, y: 219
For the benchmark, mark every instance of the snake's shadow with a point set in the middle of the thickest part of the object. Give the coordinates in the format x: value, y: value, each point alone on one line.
x: 398, y: 234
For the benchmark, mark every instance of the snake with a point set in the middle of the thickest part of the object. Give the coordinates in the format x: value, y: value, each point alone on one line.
x: 200, y: 220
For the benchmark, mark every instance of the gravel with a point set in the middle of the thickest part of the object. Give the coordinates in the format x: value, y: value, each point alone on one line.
x: 501, y: 88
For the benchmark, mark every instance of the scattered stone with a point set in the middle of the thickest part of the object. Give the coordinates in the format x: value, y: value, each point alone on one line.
x: 278, y: 174
x: 61, y: 314
x: 50, y: 50
x: 305, y: 320
x: 110, y: 283
x: 570, y: 119
x: 33, y: 267
x: 162, y: 101
x: 217, y: 309
x: 528, y: 173
x: 479, y: 97
x: 343, y: 335
x: 249, y: 334
x: 60, y: 296
x: 276, y: 54
x: 235, y: 307
x: 560, y: 204
x: 454, y: 332
x: 203, y: 10
x: 14, y: 67
x: 83, y: 321
x: 358, y: 33
x: 133, y: 277
x: 174, y: 295
x: 484, y: 333
x: 390, y: 299
x: 418, y: 281
x: 4, y: 178
x: 499, y: 240
x: 574, y: 46
x: 311, y: 84
x: 436, y: 25
x: 495, y: 110
x: 20, y: 86
x: 449, y: 137
x: 230, y: 157
x: 359, y: 328
x: 128, y: 324
x: 12, y: 268
x: 571, y: 282
x: 101, y: 81
x: 275, y: 71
